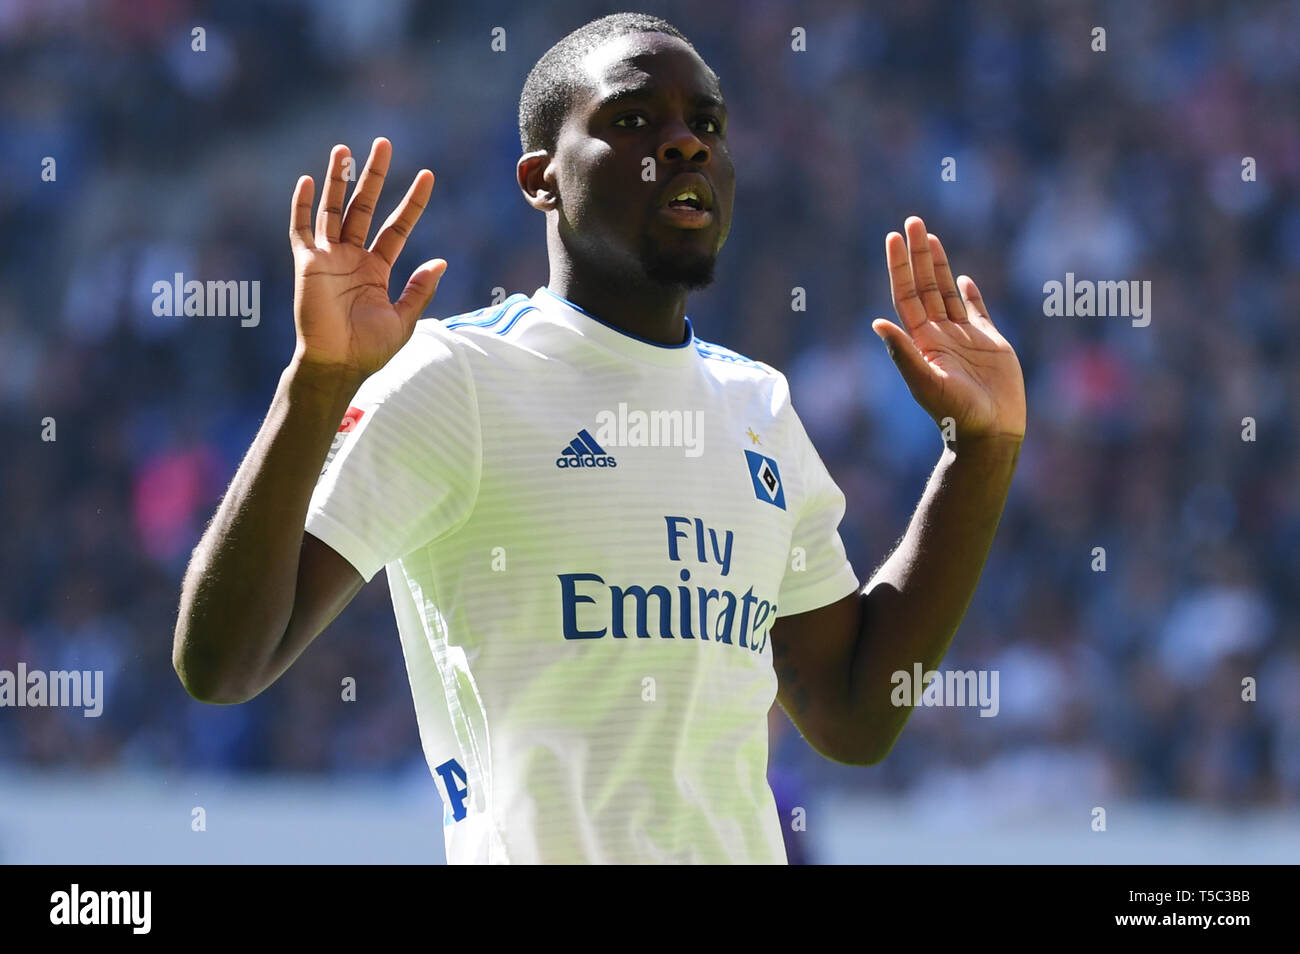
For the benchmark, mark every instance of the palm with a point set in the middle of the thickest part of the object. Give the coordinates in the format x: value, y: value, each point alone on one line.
x: 955, y: 362
x: 342, y: 311
x: 343, y: 306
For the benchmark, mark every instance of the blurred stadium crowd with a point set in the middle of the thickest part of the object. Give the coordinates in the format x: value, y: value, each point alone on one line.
x: 1117, y: 165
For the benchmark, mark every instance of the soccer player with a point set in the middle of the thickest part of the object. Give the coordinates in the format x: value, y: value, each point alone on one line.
x: 610, y: 545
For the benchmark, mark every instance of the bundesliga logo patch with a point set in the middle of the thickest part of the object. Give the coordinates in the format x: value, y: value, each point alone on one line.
x: 583, y: 451
x: 350, y: 420
x: 349, y: 424
x: 767, y: 479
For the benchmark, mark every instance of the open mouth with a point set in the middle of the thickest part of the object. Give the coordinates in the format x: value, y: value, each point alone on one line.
x: 690, y: 190
x: 687, y: 201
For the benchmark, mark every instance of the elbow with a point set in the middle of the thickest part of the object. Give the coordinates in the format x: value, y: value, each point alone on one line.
x: 215, y: 695
x: 213, y: 691
x: 873, y: 754
x: 858, y: 753
x: 206, y: 683
x: 866, y: 747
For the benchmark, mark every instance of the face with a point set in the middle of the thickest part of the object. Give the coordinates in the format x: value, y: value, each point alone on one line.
x: 650, y: 96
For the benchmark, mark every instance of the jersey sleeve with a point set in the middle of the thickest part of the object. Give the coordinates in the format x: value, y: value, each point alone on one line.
x: 818, y: 571
x: 404, y: 468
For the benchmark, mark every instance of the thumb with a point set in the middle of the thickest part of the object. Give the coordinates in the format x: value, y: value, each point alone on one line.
x: 419, y: 290
x: 902, y: 352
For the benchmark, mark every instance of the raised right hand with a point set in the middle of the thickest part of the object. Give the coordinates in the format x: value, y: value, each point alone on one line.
x: 341, y: 311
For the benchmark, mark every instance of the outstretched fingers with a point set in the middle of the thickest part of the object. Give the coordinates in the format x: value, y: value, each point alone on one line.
x: 300, y: 236
x: 902, y: 288
x: 943, y: 276
x: 970, y: 293
x: 391, y: 239
x: 927, y: 286
x: 361, y: 208
x: 329, y: 218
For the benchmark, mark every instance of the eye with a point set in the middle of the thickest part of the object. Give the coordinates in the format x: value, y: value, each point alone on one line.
x: 717, y: 126
x: 640, y: 121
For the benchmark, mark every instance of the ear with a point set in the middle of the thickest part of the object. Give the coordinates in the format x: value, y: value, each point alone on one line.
x: 536, y: 174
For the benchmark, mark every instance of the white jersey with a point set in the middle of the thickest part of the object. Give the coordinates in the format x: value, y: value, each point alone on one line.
x: 588, y: 537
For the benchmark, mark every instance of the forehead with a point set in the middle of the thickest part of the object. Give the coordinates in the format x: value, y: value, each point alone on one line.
x: 646, y: 59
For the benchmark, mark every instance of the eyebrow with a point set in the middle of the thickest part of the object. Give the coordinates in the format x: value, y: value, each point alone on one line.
x: 699, y: 100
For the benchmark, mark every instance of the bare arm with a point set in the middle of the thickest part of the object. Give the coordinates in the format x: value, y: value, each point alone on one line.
x: 835, y: 664
x: 259, y: 588
x: 255, y: 569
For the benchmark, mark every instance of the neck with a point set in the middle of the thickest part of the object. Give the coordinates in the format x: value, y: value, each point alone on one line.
x: 645, y: 309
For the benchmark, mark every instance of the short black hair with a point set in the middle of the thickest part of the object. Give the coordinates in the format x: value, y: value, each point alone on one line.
x: 555, y: 80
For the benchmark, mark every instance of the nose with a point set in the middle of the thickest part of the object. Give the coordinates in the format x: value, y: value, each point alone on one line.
x: 683, y: 144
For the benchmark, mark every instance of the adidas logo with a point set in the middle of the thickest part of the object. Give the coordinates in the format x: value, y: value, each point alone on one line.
x: 583, y: 451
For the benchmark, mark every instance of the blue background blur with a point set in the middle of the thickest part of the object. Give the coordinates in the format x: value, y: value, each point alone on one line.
x: 1116, y: 687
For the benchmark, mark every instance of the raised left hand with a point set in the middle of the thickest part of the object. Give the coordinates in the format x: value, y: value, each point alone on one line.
x: 952, y: 358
